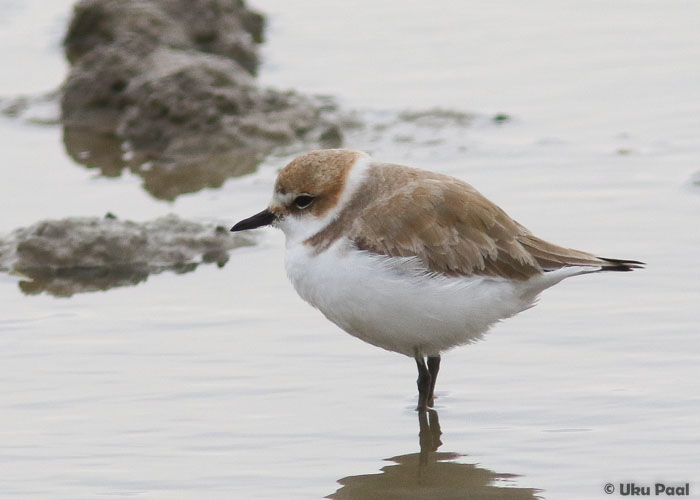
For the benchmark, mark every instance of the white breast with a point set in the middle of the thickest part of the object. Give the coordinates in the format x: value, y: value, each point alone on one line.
x: 395, y: 304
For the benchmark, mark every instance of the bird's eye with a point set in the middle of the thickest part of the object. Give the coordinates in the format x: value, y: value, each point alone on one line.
x: 303, y: 201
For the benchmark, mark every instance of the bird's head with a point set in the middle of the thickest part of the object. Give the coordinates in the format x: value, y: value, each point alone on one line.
x: 308, y: 193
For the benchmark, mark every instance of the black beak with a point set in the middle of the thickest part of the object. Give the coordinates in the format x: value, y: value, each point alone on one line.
x: 264, y: 218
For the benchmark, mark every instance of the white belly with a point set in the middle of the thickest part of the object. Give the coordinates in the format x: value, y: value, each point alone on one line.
x: 394, y: 304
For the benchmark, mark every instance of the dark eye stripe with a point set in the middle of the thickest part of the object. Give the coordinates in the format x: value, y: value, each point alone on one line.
x: 303, y: 201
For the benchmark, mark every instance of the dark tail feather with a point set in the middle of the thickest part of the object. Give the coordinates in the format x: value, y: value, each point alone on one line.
x: 552, y: 257
x: 621, y: 265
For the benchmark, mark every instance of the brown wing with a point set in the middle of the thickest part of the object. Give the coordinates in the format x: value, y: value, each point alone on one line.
x: 444, y: 222
x: 451, y: 227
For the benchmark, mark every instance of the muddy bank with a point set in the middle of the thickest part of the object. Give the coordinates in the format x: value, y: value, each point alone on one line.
x: 76, y: 255
x: 172, y: 84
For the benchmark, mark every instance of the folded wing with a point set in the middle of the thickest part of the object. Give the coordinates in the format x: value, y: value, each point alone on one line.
x: 453, y: 229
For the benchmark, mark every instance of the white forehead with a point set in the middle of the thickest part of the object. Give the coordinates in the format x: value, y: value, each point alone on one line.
x: 282, y: 200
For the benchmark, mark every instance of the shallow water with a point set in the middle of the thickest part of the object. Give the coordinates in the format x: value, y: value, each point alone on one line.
x: 222, y: 383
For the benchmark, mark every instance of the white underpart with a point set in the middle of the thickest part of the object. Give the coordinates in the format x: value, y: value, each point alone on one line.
x: 300, y: 228
x: 395, y: 304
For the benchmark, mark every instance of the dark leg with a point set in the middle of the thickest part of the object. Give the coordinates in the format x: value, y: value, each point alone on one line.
x: 433, y: 368
x: 423, y: 382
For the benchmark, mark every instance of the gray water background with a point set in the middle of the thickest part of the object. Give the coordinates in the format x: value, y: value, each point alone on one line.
x: 222, y: 383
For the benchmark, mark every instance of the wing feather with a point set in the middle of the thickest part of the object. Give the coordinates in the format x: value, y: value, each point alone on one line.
x: 447, y: 224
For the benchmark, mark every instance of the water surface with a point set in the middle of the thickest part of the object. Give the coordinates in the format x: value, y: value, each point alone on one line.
x: 222, y: 383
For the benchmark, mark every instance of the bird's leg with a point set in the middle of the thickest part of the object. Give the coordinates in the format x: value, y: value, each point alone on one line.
x: 433, y: 368
x: 423, y: 382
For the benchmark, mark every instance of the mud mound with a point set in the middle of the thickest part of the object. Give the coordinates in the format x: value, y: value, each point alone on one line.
x: 172, y: 83
x: 85, y: 254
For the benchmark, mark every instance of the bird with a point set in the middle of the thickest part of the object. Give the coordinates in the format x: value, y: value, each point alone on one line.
x: 409, y: 260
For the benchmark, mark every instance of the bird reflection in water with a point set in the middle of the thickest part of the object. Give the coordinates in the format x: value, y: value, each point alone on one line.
x: 430, y: 474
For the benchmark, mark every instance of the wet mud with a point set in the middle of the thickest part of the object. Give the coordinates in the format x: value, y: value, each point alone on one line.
x: 172, y: 85
x: 87, y: 254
